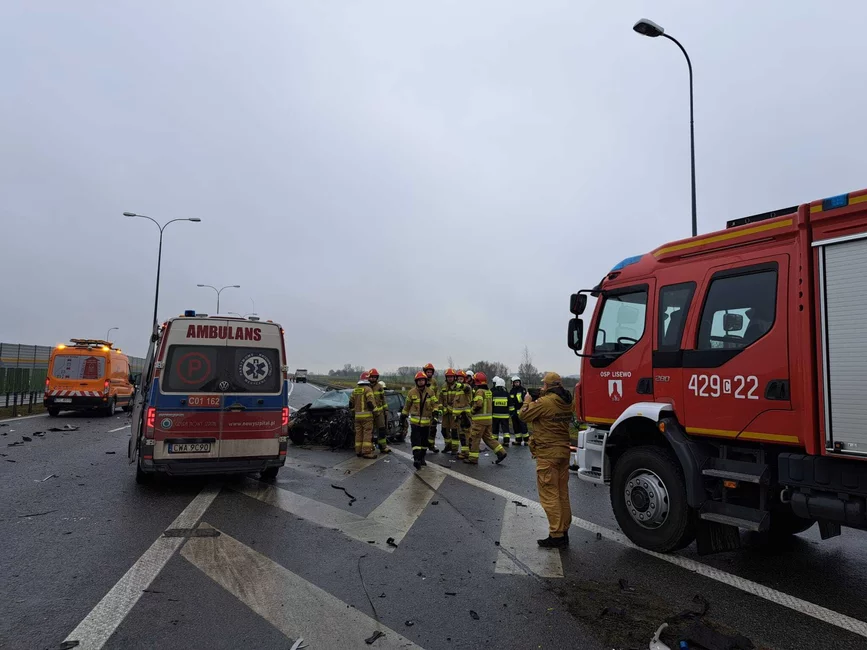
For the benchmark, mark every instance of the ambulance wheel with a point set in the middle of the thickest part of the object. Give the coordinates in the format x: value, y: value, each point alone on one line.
x: 648, y: 496
x: 53, y: 412
x: 142, y: 478
x: 269, y: 474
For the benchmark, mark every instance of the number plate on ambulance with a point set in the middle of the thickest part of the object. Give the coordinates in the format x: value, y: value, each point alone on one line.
x: 190, y: 448
x: 63, y: 400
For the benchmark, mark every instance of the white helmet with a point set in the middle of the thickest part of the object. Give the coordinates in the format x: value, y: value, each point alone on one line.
x: 515, y: 378
x: 496, y: 379
x: 499, y: 382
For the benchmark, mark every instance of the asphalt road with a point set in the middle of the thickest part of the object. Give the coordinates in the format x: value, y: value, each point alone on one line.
x: 85, y: 556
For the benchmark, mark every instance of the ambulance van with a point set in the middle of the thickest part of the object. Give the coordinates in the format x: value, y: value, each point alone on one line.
x: 213, y: 400
x: 87, y: 374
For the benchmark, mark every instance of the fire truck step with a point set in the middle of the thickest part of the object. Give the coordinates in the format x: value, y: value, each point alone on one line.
x: 737, y: 470
x: 740, y: 516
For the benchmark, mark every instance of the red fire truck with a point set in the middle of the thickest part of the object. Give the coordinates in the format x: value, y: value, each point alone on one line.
x: 724, y: 380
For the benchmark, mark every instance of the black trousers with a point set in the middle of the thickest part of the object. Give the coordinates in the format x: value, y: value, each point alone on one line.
x: 418, y: 437
x: 501, y: 424
x: 520, y: 428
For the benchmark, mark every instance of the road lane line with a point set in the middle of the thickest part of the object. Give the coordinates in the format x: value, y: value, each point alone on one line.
x: 290, y: 603
x: 125, y: 426
x: 109, y: 613
x: 403, y: 506
x: 520, y: 530
x: 291, y: 388
x: 356, y: 464
x: 768, y: 593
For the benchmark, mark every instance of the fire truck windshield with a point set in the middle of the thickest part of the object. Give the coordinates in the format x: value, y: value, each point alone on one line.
x: 621, y: 324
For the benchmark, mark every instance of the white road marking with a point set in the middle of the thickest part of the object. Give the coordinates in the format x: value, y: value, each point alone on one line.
x: 355, y: 464
x: 126, y: 426
x: 26, y: 417
x: 521, y: 528
x: 291, y: 388
x: 772, y: 595
x: 290, y: 603
x: 393, y: 518
x: 109, y: 613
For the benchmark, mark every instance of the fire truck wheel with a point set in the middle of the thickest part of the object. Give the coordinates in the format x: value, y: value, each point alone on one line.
x: 648, y: 495
x: 786, y: 524
x: 53, y: 412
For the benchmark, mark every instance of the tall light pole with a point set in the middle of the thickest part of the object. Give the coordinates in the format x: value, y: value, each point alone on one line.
x: 160, y: 253
x: 649, y: 28
x: 219, y: 291
x: 108, y: 333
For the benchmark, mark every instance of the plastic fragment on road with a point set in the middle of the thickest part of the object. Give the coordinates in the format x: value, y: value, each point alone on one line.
x: 655, y: 643
x: 46, y: 478
x: 372, y: 639
x: 65, y: 427
x: 474, y: 616
x: 298, y: 644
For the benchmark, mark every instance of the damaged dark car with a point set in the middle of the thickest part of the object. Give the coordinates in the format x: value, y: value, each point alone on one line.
x: 328, y: 420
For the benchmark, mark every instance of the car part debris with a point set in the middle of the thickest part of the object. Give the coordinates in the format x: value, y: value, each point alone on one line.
x: 68, y: 645
x: 409, y: 623
x: 38, y: 434
x: 46, y: 478
x: 434, y: 503
x: 655, y: 643
x: 27, y: 438
x: 624, y: 585
x: 372, y: 639
x: 474, y: 616
x: 518, y: 503
x: 111, y: 452
x: 65, y: 427
x: 299, y: 644
x: 15, y: 444
x: 352, y: 499
x: 390, y: 542
x: 36, y: 514
x: 451, y: 593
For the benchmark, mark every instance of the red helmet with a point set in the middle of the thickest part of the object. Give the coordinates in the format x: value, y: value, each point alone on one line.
x: 451, y: 373
x: 429, y: 366
x: 420, y: 375
x: 462, y: 374
x: 365, y: 376
x: 373, y: 372
x: 480, y: 378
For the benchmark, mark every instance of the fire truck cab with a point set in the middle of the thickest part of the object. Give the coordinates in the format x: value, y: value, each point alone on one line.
x: 723, y: 380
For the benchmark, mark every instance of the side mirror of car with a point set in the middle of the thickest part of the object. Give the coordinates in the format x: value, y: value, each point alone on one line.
x: 577, y: 303
x: 575, y: 339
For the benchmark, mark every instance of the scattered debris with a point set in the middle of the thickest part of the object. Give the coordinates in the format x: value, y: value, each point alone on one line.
x: 371, y: 541
x: 409, y: 623
x: 111, y: 452
x: 390, y: 542
x: 68, y: 645
x: 151, y: 591
x: 518, y: 503
x: 372, y: 639
x: 299, y: 644
x: 655, y: 643
x: 382, y: 595
x: 474, y: 616
x: 624, y: 585
x: 27, y: 438
x: 38, y: 434
x: 598, y: 536
x: 65, y: 427
x: 37, y: 514
x: 9, y: 460
x: 14, y: 444
x: 451, y: 593
x: 434, y: 503
x: 46, y: 478
x: 352, y: 499
x: 497, y: 543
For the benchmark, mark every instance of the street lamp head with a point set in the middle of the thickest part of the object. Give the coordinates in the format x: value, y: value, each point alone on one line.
x: 130, y: 214
x: 194, y: 219
x: 236, y: 286
x: 648, y: 28
x: 200, y: 285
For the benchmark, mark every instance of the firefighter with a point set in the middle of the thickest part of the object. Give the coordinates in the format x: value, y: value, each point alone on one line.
x: 421, y: 408
x: 501, y: 411
x: 551, y: 416
x: 433, y: 386
x: 380, y: 413
x: 460, y: 407
x: 482, y: 421
x: 516, y: 401
x: 362, y: 403
x: 449, y: 424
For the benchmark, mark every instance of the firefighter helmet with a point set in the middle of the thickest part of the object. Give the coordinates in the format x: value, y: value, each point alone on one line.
x: 429, y: 366
x: 515, y: 378
x: 420, y: 375
x: 462, y: 374
x: 451, y: 373
x: 373, y: 372
x: 364, y: 378
x: 480, y: 378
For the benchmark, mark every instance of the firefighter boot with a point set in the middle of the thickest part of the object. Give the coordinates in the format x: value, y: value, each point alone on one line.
x: 501, y: 456
x: 417, y: 456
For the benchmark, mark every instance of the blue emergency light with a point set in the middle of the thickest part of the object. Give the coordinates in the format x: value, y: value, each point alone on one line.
x: 189, y: 312
x: 627, y: 262
x: 834, y: 202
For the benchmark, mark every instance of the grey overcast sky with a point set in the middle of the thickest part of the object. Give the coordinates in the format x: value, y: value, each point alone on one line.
x: 394, y: 181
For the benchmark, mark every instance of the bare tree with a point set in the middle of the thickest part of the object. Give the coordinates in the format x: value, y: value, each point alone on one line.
x: 451, y: 362
x: 528, y: 373
x: 406, y: 371
x: 492, y: 369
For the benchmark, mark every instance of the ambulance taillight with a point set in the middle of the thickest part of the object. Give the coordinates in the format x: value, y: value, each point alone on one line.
x: 285, y: 417
x: 150, y: 422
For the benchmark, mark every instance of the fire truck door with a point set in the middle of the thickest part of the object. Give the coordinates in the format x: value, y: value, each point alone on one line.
x: 672, y: 311
x: 738, y: 369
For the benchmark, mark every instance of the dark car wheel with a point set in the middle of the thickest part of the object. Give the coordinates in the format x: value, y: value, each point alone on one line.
x: 53, y: 412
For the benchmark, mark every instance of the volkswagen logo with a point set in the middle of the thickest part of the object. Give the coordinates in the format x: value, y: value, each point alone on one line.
x: 224, y: 386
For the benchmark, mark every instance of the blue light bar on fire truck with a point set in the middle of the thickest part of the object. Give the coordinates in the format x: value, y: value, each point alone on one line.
x: 627, y: 262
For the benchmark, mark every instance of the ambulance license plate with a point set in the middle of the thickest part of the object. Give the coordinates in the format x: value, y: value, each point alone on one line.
x: 63, y: 400
x: 190, y: 448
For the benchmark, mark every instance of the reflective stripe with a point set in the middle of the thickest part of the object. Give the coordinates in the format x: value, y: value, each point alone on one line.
x: 363, y: 415
x: 501, y: 416
x: 417, y: 420
x: 482, y: 418
x: 474, y: 454
x: 419, y: 448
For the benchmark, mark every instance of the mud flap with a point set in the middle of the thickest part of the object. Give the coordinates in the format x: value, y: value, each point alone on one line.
x: 714, y: 537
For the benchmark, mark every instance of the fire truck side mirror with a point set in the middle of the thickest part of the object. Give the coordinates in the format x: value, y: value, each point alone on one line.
x: 577, y: 303
x: 733, y: 322
x: 576, y: 334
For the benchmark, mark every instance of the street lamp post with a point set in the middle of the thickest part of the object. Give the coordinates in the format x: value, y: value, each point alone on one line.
x: 160, y: 251
x: 219, y: 291
x: 110, y: 330
x: 649, y: 28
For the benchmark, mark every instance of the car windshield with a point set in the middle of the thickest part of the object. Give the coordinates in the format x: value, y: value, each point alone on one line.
x: 333, y: 399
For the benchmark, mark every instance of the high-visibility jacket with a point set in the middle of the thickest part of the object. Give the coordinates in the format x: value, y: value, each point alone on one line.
x: 516, y: 399
x: 379, y: 397
x: 462, y: 398
x: 433, y: 385
x: 362, y: 402
x: 447, y: 396
x: 551, y: 416
x: 483, y: 405
x: 421, y: 406
x: 501, y: 403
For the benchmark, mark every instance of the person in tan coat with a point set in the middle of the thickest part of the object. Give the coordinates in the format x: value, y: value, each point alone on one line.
x: 551, y: 416
x: 363, y: 405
